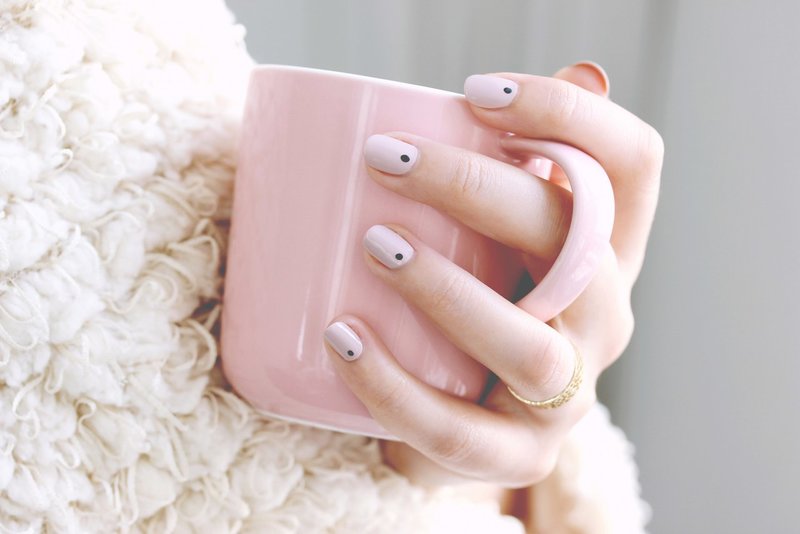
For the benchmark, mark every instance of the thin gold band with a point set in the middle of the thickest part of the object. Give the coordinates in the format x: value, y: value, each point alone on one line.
x: 564, y: 396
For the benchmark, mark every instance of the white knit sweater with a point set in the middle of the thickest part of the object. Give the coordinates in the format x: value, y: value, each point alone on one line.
x: 118, y: 123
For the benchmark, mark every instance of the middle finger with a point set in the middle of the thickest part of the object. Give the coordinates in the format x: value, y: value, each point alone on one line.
x: 494, y: 198
x: 526, y: 353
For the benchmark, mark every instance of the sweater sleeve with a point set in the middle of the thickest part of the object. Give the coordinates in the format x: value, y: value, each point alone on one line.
x: 594, y: 487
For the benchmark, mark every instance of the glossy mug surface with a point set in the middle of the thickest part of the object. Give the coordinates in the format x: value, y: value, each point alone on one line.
x: 303, y: 201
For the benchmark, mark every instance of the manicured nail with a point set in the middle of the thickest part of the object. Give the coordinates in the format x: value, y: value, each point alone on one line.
x: 388, y: 247
x: 596, y: 76
x: 343, y: 340
x: 489, y: 91
x: 390, y: 155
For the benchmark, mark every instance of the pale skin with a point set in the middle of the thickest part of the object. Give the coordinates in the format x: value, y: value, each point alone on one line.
x: 504, y: 442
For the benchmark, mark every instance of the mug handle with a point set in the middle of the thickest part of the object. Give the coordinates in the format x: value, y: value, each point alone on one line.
x: 588, y: 239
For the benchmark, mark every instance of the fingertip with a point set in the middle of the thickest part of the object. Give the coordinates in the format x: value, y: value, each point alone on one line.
x: 405, y: 233
x: 350, y: 332
x: 389, y: 154
x: 490, y: 91
x: 372, y: 373
x: 388, y: 246
x: 344, y: 340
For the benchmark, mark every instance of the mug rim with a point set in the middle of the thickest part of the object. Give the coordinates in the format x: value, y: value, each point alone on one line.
x: 356, y: 77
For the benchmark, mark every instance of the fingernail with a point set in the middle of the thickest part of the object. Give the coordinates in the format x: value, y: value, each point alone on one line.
x: 390, y: 155
x: 343, y: 340
x: 388, y: 247
x: 598, y: 77
x: 489, y: 91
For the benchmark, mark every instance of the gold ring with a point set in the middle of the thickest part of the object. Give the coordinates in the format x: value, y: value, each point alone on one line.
x: 564, y: 396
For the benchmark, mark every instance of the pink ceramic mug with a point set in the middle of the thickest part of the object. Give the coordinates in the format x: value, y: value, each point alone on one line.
x: 303, y: 201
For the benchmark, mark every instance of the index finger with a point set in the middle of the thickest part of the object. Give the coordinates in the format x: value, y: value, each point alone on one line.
x: 629, y: 149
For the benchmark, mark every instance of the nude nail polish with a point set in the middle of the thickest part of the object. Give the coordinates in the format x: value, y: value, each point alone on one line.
x: 389, y: 155
x: 388, y: 247
x: 489, y: 91
x: 344, y: 341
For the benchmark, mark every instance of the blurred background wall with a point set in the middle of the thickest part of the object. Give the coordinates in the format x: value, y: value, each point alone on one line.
x: 708, y: 388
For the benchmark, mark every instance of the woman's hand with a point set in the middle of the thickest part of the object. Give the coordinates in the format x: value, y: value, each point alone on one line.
x: 505, y: 441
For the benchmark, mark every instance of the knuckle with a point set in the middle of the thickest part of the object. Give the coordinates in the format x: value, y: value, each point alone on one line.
x: 624, y: 330
x: 470, y: 175
x: 650, y: 154
x: 628, y: 327
x: 582, y: 403
x: 451, y: 293
x: 458, y: 445
x: 536, y: 471
x: 564, y: 103
x: 558, y: 222
x: 392, y: 397
x: 546, y: 363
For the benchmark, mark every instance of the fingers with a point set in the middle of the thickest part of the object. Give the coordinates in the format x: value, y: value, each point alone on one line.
x: 630, y: 150
x: 530, y: 356
x: 417, y: 467
x: 524, y: 352
x: 496, y: 441
x: 600, y: 319
x: 494, y: 198
x: 461, y: 436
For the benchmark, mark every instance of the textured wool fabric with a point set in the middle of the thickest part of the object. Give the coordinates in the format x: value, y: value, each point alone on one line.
x: 118, y: 127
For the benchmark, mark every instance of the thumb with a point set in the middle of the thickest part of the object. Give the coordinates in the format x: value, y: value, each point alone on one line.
x: 588, y: 75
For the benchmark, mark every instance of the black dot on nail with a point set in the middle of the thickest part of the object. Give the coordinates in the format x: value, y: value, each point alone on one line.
x: 404, y: 158
x: 398, y: 256
x: 507, y: 90
x: 350, y: 353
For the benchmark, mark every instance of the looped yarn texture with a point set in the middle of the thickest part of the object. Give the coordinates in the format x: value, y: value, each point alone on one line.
x: 118, y: 131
